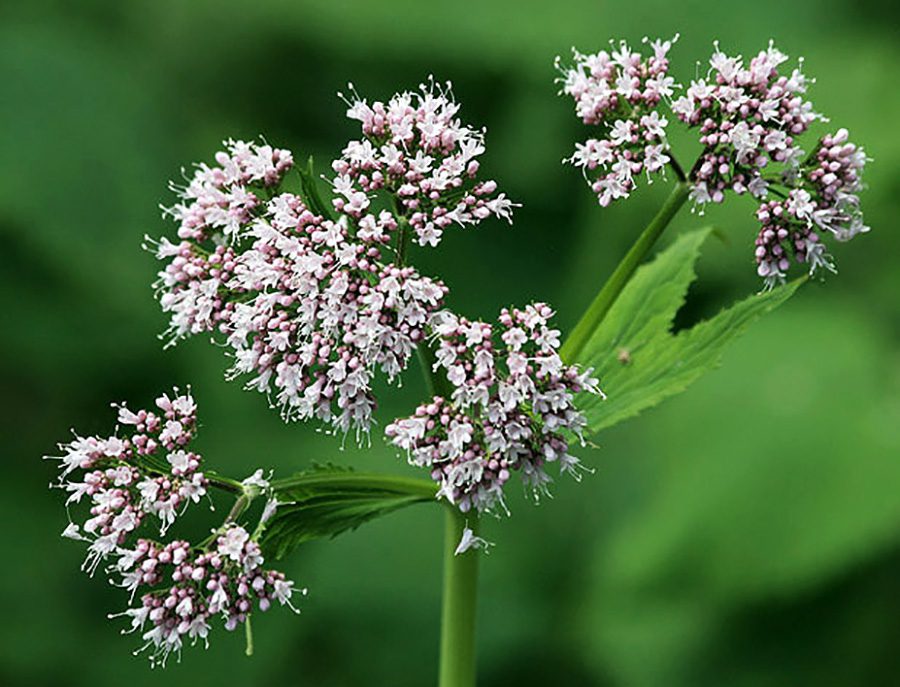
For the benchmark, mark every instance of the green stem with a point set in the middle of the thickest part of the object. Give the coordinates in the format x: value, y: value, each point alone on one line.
x: 240, y: 505
x: 459, y: 600
x: 248, y: 635
x: 225, y: 483
x: 604, y: 300
x: 460, y: 593
x: 459, y: 597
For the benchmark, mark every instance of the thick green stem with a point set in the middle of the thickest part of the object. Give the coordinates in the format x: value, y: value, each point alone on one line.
x: 604, y: 300
x: 459, y: 601
x: 460, y: 594
x: 460, y: 591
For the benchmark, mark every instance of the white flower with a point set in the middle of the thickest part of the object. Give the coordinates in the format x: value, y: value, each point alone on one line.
x: 72, y: 531
x: 470, y: 541
x: 744, y: 139
x: 256, y: 480
x: 179, y: 460
x: 231, y: 544
x: 459, y: 435
x: 655, y: 157
x: 654, y: 125
x: 800, y: 204
x: 621, y: 132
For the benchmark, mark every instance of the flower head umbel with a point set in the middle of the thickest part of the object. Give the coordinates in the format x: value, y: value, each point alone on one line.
x: 183, y: 590
x: 511, y: 410
x: 221, y: 199
x: 751, y: 119
x: 318, y: 314
x: 306, y: 303
x: 415, y: 150
x: 145, y: 472
x: 619, y: 92
x: 749, y: 116
x: 821, y: 200
x: 148, y: 474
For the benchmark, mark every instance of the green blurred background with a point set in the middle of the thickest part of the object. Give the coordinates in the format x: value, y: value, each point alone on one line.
x: 745, y: 533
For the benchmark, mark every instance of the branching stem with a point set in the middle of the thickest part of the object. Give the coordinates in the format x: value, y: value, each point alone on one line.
x: 581, y: 334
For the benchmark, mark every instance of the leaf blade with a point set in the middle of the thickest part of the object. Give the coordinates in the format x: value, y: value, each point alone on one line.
x: 657, y: 363
x: 328, y: 501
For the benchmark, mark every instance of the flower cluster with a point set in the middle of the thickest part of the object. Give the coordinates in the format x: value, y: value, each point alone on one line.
x: 751, y: 117
x: 150, y: 472
x: 188, y: 588
x: 833, y: 175
x: 823, y: 199
x: 511, y: 409
x: 221, y: 199
x: 748, y: 116
x: 307, y: 308
x: 415, y: 148
x: 320, y: 314
x: 619, y: 91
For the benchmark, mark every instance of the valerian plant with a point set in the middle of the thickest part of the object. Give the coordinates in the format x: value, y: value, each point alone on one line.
x: 314, y: 298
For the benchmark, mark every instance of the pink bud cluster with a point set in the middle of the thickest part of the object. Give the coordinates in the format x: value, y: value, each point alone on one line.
x: 417, y: 151
x: 306, y: 303
x: 186, y: 588
x: 787, y: 229
x: 748, y: 116
x: 191, y: 289
x: 512, y: 408
x: 823, y: 200
x: 147, y: 472
x: 834, y: 178
x: 619, y: 91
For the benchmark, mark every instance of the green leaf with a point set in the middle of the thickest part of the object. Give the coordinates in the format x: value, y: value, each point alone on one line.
x: 328, y: 500
x: 635, y: 355
x: 310, y: 189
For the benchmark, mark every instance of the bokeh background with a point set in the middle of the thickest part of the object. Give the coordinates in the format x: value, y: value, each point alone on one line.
x: 744, y: 533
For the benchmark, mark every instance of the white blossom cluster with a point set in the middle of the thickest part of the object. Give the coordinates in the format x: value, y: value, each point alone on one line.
x: 620, y: 91
x: 149, y: 474
x: 307, y: 307
x: 187, y: 589
x: 221, y: 199
x: 318, y: 315
x: 417, y: 151
x: 512, y: 408
x: 750, y: 118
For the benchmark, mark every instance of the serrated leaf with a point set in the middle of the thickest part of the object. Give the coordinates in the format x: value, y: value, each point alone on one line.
x: 635, y: 355
x: 329, y: 500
